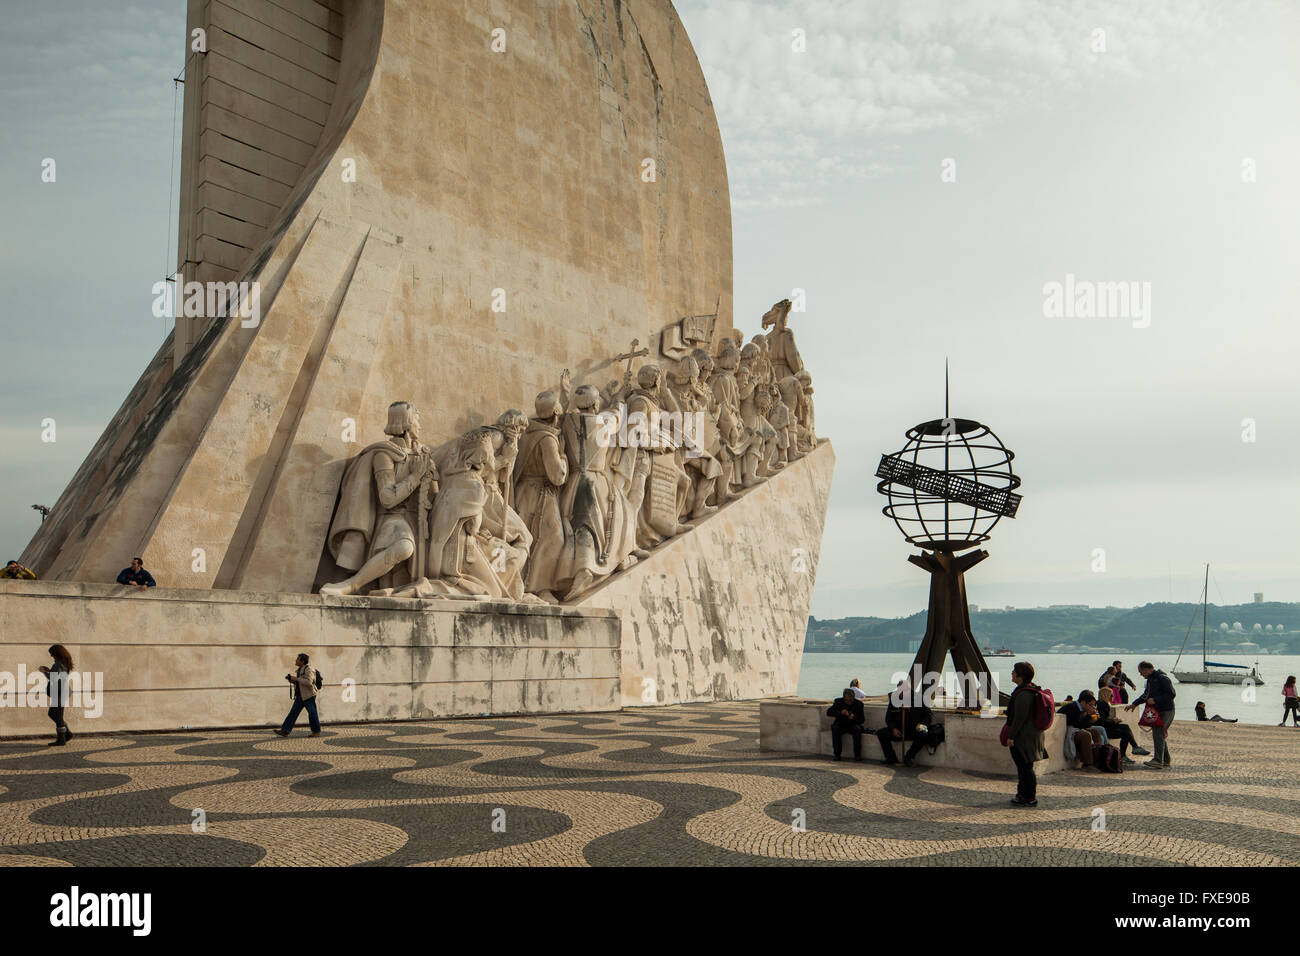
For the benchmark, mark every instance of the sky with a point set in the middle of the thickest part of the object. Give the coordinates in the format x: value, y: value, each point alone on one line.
x: 923, y: 171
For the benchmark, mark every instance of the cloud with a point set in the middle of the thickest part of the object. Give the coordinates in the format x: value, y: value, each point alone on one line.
x: 876, y: 73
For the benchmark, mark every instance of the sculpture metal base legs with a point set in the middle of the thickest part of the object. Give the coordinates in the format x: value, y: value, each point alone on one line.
x: 947, y: 629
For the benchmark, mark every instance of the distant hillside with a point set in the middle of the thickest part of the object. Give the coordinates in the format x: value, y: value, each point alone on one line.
x: 1150, y: 628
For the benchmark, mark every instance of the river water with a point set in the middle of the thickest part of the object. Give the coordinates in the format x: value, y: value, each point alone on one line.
x: 826, y: 675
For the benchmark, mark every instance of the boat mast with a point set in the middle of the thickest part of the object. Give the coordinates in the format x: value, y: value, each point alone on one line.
x: 1205, y: 594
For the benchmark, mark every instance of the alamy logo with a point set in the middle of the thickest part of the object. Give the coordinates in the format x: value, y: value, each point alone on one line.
x: 919, y: 688
x: 102, y: 909
x: 210, y: 300
x: 661, y: 430
x: 79, y: 690
x: 1085, y: 299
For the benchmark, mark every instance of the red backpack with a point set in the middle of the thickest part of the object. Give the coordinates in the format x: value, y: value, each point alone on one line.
x: 1044, y: 707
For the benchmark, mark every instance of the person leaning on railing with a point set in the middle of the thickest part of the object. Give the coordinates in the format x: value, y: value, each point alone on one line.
x: 15, y: 571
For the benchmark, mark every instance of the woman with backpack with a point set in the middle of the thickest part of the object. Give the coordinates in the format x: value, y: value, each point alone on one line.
x: 304, y: 683
x: 1022, y: 733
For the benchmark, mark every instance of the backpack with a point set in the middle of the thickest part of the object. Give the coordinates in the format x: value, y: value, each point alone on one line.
x: 318, y: 681
x: 935, y: 737
x: 1105, y: 757
x: 1044, y: 708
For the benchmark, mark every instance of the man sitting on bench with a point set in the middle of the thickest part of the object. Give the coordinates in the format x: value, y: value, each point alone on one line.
x: 849, y: 719
x: 1082, y: 728
x: 901, y: 723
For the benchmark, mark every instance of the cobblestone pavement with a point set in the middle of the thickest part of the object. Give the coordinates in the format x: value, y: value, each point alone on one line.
x: 674, y: 785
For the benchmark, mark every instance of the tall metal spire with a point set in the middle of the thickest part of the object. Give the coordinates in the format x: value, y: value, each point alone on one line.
x: 945, y: 388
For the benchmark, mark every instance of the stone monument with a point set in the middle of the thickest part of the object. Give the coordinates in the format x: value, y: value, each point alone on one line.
x: 462, y: 209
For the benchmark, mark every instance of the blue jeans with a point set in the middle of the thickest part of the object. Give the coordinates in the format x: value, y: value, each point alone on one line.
x: 298, y: 705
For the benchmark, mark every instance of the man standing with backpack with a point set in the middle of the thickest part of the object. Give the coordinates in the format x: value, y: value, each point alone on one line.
x: 305, y: 683
x: 1160, y: 692
x: 1030, y: 712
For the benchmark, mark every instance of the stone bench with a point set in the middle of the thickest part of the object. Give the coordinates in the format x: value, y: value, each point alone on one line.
x: 971, y: 741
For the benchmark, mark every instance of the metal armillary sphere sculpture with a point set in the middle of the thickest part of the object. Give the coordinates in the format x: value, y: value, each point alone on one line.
x: 947, y: 488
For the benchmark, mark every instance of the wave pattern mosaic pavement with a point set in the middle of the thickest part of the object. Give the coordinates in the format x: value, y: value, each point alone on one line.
x: 680, y: 785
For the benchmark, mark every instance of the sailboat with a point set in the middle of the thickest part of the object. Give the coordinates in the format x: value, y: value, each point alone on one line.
x: 1230, y: 674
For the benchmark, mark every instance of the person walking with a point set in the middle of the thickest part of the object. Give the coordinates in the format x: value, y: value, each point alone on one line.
x: 1290, y: 703
x: 849, y: 719
x: 57, y: 687
x: 1023, y: 736
x: 1160, y: 692
x: 304, y: 697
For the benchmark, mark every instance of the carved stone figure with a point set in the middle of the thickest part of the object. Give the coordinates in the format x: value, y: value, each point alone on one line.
x: 383, y: 502
x: 755, y: 404
x: 602, y: 535
x: 475, y: 550
x: 781, y: 349
x: 783, y: 421
x: 658, y: 483
x: 762, y: 365
x: 540, y: 472
x: 505, y: 450
x: 745, y: 445
x: 791, y: 393
x: 699, y: 432
x: 809, y: 414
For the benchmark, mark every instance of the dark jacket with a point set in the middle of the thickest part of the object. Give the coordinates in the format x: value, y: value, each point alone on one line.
x: 1027, y: 738
x: 854, y: 707
x: 1075, y: 717
x: 906, y: 718
x: 1159, y: 690
x: 56, y: 684
x: 129, y: 576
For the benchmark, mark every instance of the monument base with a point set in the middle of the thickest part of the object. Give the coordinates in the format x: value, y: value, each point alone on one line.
x: 169, y: 659
x: 721, y: 612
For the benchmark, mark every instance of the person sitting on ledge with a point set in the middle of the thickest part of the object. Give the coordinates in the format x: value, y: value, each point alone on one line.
x: 137, y: 576
x: 849, y: 719
x: 1200, y: 715
x: 1118, y: 730
x: 1082, y: 730
x: 855, y: 685
x: 904, y: 722
x: 16, y: 571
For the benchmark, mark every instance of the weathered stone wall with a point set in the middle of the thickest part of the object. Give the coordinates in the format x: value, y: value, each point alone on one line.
x: 173, y: 658
x: 475, y: 171
x: 720, y: 613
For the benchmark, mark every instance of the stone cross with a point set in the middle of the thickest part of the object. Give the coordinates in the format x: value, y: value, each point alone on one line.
x: 634, y: 353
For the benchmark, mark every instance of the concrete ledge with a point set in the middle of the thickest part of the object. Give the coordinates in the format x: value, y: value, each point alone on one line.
x: 800, y: 725
x: 175, y: 658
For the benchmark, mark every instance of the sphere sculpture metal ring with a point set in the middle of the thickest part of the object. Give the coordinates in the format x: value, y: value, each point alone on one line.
x: 949, y: 485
